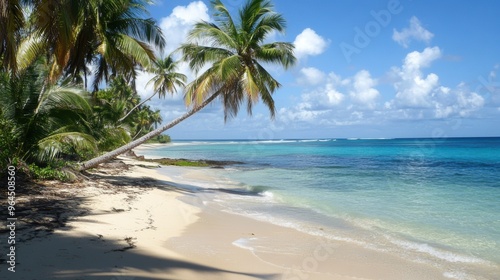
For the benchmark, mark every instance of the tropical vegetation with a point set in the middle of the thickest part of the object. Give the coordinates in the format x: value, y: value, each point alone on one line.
x: 235, y: 52
x: 68, y: 72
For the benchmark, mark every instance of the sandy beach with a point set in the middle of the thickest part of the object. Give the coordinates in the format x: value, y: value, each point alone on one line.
x: 130, y: 223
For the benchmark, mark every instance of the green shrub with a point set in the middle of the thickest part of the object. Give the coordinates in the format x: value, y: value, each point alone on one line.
x: 47, y: 173
x: 162, y: 139
x: 7, y: 143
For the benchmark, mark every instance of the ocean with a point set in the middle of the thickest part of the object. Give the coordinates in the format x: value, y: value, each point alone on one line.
x: 433, y: 200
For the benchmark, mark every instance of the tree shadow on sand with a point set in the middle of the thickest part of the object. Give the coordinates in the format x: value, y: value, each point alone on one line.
x: 84, y: 258
x: 90, y: 257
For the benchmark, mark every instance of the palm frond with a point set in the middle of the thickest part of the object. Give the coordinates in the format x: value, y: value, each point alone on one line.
x: 278, y: 53
x: 198, y: 56
x: 50, y: 147
x: 11, y: 23
x: 30, y: 49
x: 64, y: 98
x: 214, y: 35
x: 139, y: 51
x: 268, y: 24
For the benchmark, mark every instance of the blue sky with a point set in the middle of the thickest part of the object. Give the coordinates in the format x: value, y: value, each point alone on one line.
x: 367, y: 69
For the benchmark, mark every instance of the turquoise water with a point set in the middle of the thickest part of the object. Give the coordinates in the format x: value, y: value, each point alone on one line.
x: 429, y: 200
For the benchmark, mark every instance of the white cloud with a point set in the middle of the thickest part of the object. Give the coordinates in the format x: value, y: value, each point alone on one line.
x: 415, y: 31
x: 141, y: 84
x: 328, y: 102
x: 414, y: 61
x: 309, y: 43
x: 177, y: 25
x: 460, y: 101
x: 327, y: 96
x: 419, y: 96
x: 363, y: 92
x: 332, y: 101
x: 412, y: 88
x: 334, y: 97
x: 311, y: 76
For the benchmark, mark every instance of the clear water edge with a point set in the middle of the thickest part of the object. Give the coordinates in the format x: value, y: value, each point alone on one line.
x: 429, y: 202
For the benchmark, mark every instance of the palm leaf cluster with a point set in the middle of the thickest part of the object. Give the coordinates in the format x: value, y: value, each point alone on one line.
x: 112, y: 36
x: 42, y: 121
x: 237, y: 52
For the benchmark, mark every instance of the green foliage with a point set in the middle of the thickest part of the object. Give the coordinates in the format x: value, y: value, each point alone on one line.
x: 43, y: 121
x: 47, y: 173
x: 45, y: 50
x: 109, y: 126
x: 112, y: 138
x: 235, y: 49
x: 7, y: 142
x: 162, y: 139
x: 117, y: 36
x: 167, y: 77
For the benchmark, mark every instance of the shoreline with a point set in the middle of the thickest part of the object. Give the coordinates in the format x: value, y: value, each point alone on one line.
x: 134, y: 223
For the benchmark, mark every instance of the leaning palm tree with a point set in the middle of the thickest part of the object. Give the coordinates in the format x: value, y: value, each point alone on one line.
x: 234, y: 52
x: 165, y: 80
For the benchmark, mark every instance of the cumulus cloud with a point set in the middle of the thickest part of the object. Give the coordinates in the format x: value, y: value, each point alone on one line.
x: 413, y: 89
x: 363, y: 92
x: 176, y: 26
x: 309, y: 43
x: 334, y: 100
x: 421, y: 96
x: 414, y: 32
x: 460, y: 101
x: 311, y: 76
x: 327, y: 96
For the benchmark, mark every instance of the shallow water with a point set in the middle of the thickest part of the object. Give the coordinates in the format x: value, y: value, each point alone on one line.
x: 434, y: 201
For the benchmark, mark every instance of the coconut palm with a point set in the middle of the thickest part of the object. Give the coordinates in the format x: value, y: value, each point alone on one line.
x: 44, y: 121
x: 144, y: 121
x: 234, y: 52
x: 113, y: 35
x: 156, y: 118
x: 165, y: 80
x: 11, y: 23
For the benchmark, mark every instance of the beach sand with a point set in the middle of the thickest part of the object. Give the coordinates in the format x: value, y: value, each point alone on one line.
x: 132, y: 224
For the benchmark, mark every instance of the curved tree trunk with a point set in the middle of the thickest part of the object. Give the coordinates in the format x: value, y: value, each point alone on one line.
x: 125, y: 148
x: 135, y: 107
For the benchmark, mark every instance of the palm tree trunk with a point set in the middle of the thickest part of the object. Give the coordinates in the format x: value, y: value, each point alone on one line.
x: 135, y: 107
x: 125, y: 148
x: 137, y: 134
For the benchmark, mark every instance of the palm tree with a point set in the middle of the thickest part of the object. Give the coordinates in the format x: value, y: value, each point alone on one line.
x: 156, y: 118
x: 165, y: 80
x: 11, y: 23
x: 234, y: 51
x: 144, y: 121
x: 112, y: 35
x: 123, y: 40
x: 44, y: 121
